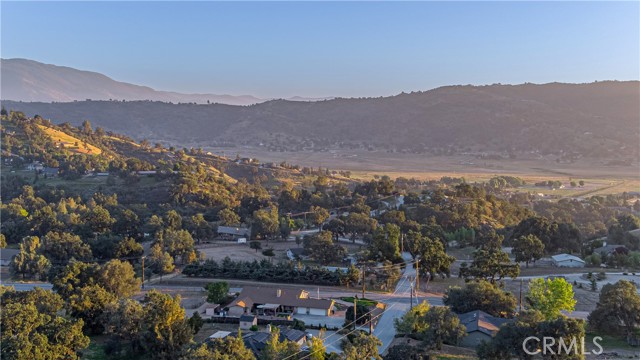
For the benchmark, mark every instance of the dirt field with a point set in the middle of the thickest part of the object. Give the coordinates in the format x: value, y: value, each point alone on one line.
x: 241, y: 252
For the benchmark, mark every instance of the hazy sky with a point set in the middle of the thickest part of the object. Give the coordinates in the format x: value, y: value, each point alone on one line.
x: 281, y: 49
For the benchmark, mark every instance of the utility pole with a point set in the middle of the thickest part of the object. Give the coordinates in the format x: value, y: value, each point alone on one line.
x: 363, y: 277
x: 143, y: 272
x: 355, y: 316
x: 417, y: 275
x: 411, y: 292
x: 401, y: 242
x: 520, y: 296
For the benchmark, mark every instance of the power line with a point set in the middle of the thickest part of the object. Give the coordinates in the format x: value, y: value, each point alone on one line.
x: 404, y: 279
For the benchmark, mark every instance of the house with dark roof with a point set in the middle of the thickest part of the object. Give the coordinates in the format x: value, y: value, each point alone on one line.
x: 480, y: 327
x: 273, y: 301
x: 257, y: 340
x: 233, y: 232
x: 612, y: 249
x: 50, y: 172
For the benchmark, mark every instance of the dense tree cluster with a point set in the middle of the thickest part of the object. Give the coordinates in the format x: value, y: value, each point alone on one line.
x: 263, y: 270
x: 33, y: 328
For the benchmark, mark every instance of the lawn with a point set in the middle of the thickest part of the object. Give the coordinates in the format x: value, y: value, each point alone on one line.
x: 95, y: 351
x: 361, y: 301
x: 609, y: 343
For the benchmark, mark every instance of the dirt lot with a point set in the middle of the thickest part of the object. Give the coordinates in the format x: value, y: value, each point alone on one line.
x: 221, y: 249
x: 218, y: 250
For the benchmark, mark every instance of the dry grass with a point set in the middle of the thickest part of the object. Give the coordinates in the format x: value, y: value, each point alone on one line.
x: 69, y: 141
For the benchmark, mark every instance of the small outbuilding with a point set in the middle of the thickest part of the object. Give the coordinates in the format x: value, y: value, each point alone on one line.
x: 567, y: 260
x: 247, y: 321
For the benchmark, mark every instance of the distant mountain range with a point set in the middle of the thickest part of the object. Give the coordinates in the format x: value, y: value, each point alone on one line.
x: 598, y: 119
x: 28, y: 80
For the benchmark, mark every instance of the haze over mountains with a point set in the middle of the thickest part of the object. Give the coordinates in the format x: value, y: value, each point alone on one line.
x: 568, y: 120
x: 28, y: 80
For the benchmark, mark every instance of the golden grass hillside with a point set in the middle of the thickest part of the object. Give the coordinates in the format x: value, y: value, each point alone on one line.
x: 69, y: 142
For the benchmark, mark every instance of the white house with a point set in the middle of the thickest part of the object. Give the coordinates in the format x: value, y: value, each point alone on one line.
x: 567, y: 260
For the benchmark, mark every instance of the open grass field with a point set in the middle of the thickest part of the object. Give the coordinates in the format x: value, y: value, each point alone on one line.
x: 600, y: 178
x: 70, y: 142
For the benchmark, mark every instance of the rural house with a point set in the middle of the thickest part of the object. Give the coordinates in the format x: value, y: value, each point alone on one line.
x: 273, y: 301
x: 480, y: 327
x: 233, y: 233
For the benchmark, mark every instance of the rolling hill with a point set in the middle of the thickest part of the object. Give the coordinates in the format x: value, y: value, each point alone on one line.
x: 599, y: 120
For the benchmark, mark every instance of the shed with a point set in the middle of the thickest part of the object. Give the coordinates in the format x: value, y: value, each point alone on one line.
x: 247, y: 321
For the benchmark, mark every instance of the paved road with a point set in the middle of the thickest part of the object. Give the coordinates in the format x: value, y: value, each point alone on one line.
x: 396, y: 306
x: 27, y: 286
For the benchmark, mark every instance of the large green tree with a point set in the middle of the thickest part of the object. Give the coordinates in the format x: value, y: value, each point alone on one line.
x: 551, y: 296
x: 528, y: 248
x: 618, y: 309
x: 386, y: 244
x: 166, y: 329
x: 60, y: 247
x: 322, y: 248
x: 266, y: 222
x: 481, y: 295
x: 29, y: 262
x: 361, y: 346
x: 518, y: 338
x: 433, y: 325
x: 489, y: 263
x: 430, y: 254
x: 217, y: 292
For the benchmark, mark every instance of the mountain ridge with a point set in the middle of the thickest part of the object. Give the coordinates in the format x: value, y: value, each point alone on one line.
x: 569, y: 120
x: 30, y: 80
